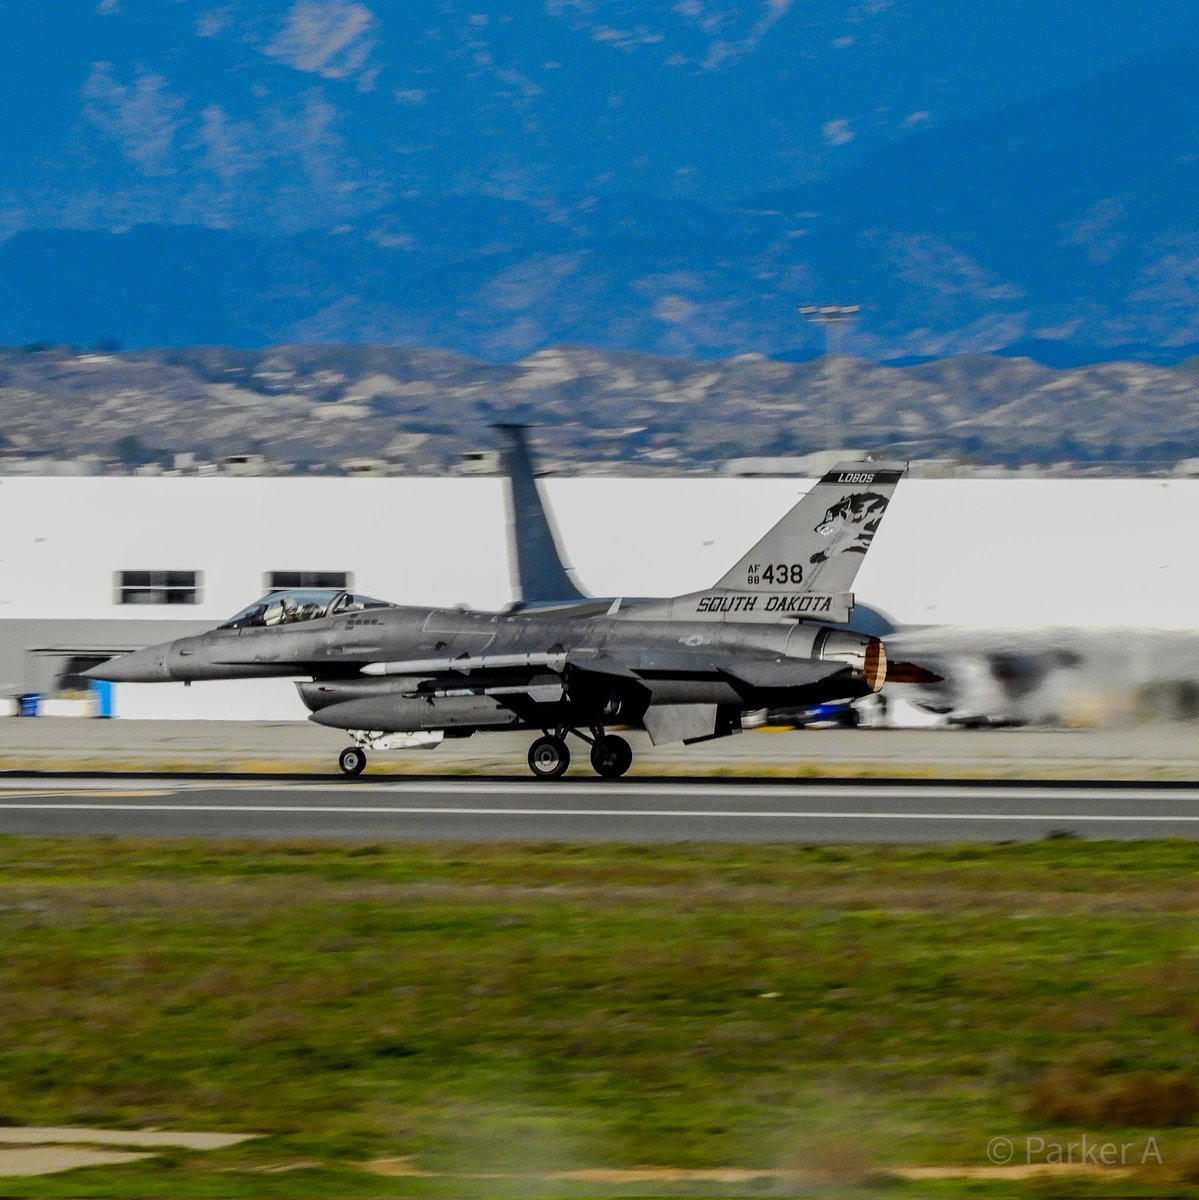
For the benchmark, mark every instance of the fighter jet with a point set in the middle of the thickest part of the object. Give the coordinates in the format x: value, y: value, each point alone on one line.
x: 770, y: 632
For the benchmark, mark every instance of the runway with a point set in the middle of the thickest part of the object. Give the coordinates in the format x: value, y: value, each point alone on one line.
x: 1136, y: 754
x: 631, y: 810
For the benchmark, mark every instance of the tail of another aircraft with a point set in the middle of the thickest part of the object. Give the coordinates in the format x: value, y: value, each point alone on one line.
x: 820, y: 544
x: 541, y: 576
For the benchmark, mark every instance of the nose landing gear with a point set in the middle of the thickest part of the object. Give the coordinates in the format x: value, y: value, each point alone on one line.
x: 352, y: 760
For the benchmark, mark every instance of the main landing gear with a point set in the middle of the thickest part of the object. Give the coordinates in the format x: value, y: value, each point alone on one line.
x: 549, y: 755
x: 611, y: 756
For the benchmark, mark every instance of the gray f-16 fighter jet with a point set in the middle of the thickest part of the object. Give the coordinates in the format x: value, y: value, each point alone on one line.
x: 683, y: 668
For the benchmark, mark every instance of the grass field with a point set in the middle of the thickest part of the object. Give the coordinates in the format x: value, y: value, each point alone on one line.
x: 844, y: 1014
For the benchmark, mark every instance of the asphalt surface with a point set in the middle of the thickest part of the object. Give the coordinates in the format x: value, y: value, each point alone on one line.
x: 1137, y: 754
x: 631, y: 810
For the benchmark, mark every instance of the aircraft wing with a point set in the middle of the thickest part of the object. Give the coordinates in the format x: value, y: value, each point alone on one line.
x: 635, y: 665
x: 628, y: 666
x: 757, y: 673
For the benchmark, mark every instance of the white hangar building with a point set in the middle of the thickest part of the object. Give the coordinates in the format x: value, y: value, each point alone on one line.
x: 92, y: 566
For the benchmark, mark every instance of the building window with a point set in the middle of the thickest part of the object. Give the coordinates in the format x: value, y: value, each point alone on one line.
x: 159, y: 587
x: 286, y: 581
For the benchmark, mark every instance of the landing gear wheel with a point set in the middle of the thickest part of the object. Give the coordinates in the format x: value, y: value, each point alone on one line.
x: 611, y: 756
x: 548, y: 757
x: 352, y: 760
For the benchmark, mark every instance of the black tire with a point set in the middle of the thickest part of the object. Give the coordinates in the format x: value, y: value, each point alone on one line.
x: 548, y: 757
x: 611, y: 756
x: 352, y: 760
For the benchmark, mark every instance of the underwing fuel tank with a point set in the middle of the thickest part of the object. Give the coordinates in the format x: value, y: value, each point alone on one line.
x: 397, y: 714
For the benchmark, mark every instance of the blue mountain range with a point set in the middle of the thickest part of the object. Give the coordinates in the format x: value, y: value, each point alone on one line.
x: 675, y: 177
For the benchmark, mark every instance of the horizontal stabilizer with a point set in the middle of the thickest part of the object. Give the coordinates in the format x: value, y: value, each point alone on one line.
x: 782, y: 673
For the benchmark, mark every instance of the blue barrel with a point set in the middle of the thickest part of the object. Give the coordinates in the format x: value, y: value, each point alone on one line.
x: 104, y: 693
x: 28, y: 703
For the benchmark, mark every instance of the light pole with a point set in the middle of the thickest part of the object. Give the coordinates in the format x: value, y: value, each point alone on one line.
x: 834, y: 320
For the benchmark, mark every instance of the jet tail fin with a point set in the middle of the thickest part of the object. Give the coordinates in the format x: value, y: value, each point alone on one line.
x: 820, y: 544
x: 541, y: 576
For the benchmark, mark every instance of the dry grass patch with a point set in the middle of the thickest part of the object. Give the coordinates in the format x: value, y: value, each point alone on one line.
x: 1138, y: 1099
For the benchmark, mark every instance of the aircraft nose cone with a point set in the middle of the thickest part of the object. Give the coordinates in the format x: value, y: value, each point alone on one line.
x: 142, y: 666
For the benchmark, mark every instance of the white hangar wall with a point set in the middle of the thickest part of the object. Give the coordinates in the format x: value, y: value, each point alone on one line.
x: 61, y: 540
x: 1012, y: 553
x: 981, y: 553
x: 969, y: 552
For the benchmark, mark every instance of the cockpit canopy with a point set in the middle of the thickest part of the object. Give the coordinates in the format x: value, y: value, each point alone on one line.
x: 300, y: 604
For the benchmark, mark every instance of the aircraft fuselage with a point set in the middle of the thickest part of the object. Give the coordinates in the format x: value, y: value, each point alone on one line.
x: 608, y: 663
